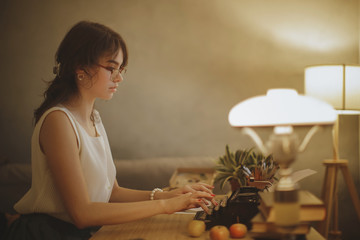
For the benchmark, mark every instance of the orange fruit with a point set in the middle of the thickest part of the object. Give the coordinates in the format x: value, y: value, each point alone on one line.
x: 238, y: 230
x: 196, y: 228
x: 219, y: 232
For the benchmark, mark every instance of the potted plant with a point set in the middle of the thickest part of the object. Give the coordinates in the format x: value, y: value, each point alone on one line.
x: 239, y: 167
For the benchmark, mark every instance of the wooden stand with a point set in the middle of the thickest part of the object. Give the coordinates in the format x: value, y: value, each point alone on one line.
x: 329, y: 195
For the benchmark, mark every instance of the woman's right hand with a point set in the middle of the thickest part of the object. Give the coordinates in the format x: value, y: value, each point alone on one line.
x: 187, y: 201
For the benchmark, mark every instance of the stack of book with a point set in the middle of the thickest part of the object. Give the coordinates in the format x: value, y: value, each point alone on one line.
x: 312, y: 210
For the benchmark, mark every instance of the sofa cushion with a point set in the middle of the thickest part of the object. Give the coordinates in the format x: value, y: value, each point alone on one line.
x: 149, y: 173
x: 15, y: 180
x: 142, y: 174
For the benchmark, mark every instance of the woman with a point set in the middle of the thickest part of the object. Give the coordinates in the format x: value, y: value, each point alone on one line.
x: 73, y: 185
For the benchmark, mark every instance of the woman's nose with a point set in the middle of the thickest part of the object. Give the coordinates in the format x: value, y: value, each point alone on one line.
x: 119, y: 78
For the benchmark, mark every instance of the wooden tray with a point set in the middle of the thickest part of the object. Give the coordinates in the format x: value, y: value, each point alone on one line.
x: 183, y: 176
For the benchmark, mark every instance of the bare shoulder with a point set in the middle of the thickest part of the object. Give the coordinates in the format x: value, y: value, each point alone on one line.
x: 56, y: 120
x: 57, y: 130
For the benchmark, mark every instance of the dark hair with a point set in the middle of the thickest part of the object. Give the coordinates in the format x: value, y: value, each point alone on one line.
x: 81, y: 47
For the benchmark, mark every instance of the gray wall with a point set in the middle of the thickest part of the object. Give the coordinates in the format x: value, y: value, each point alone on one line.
x: 190, y: 62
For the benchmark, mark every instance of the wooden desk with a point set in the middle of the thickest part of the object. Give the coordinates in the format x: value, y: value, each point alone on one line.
x: 161, y: 227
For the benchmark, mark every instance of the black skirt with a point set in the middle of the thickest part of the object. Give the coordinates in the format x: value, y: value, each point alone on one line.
x: 42, y: 226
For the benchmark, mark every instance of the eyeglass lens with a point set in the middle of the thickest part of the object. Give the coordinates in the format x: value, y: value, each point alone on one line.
x: 116, y: 72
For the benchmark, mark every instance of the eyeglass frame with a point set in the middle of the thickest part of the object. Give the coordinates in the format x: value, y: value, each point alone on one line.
x: 114, y: 71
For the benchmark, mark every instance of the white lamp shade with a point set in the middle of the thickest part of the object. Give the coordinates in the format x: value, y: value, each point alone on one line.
x: 338, y: 85
x: 281, y: 107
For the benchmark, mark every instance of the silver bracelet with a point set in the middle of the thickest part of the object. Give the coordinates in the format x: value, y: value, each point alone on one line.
x: 154, y: 191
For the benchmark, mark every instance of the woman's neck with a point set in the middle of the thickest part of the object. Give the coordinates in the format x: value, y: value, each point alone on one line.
x: 81, y: 109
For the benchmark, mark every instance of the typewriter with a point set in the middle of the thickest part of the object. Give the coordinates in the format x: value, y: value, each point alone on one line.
x: 240, y: 207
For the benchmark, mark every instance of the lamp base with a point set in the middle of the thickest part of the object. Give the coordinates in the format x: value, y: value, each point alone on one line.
x: 286, y: 201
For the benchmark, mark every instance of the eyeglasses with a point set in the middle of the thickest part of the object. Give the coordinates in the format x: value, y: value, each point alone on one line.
x: 114, y: 71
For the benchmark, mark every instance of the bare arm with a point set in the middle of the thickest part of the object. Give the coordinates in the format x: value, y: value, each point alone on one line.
x: 120, y: 194
x: 59, y: 144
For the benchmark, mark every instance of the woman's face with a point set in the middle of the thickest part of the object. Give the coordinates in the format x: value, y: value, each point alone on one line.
x: 104, y: 83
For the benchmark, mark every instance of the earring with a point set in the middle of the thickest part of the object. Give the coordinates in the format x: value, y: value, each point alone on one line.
x: 80, y: 77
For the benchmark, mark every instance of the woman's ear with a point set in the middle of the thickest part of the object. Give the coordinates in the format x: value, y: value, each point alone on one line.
x: 80, y: 74
x: 85, y: 70
x: 80, y: 70
x: 83, y: 77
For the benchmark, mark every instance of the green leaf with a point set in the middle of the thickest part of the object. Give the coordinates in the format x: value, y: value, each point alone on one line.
x: 242, y: 181
x: 223, y: 169
x: 220, y: 177
x: 224, y: 182
x: 230, y: 156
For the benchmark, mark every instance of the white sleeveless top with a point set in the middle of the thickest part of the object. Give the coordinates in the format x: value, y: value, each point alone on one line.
x: 96, y: 163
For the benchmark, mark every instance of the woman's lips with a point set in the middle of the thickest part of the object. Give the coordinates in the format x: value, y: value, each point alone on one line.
x: 113, y: 89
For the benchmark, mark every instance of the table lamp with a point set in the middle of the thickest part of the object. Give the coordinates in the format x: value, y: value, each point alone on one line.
x: 282, y: 109
x: 339, y: 85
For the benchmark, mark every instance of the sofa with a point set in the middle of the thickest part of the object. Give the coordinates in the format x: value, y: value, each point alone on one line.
x: 142, y: 174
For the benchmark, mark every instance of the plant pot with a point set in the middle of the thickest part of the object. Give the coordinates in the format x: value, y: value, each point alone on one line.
x: 234, y: 184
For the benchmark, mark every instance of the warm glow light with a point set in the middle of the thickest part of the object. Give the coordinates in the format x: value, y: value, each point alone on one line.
x: 281, y: 107
x: 301, y: 25
x: 338, y: 85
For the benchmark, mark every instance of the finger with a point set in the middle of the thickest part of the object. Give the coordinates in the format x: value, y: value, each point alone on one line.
x: 206, y: 185
x: 191, y: 189
x: 205, y: 196
x: 205, y: 189
x: 187, y: 188
x: 199, y: 187
x: 215, y: 203
x: 202, y: 204
x: 212, y: 202
x: 211, y: 194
